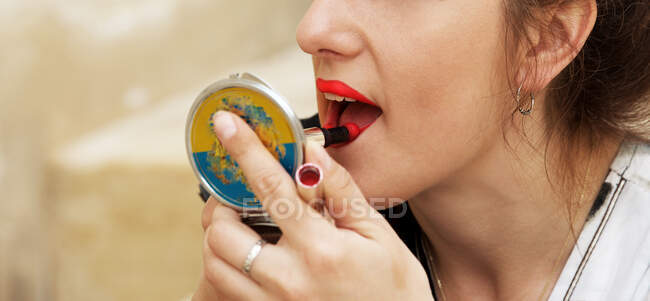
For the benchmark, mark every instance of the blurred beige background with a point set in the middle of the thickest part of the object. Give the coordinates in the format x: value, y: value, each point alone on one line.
x: 97, y: 199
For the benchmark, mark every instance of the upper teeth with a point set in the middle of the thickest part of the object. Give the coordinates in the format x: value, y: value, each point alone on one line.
x: 330, y: 96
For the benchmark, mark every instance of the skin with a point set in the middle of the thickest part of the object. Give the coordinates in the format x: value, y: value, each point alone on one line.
x: 482, y: 182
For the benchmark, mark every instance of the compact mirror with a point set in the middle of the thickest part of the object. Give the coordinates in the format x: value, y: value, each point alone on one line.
x: 270, y: 117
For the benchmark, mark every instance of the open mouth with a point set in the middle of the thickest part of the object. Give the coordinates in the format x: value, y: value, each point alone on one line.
x: 346, y: 105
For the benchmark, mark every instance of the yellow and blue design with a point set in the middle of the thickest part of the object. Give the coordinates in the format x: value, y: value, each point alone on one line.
x: 211, y: 160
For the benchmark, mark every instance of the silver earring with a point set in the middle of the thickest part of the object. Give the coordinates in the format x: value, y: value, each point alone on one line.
x: 532, y: 102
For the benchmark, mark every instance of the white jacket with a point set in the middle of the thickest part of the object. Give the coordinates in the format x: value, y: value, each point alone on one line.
x: 611, y: 259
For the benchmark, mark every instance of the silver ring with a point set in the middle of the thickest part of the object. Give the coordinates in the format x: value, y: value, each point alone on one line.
x: 252, y: 254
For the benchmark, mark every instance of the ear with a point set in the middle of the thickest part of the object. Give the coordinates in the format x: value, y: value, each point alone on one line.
x: 555, y: 42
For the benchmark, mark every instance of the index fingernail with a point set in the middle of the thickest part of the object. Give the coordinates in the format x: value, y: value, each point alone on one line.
x: 224, y: 126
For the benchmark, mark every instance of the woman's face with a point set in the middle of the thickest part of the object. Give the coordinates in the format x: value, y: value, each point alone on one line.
x: 435, y: 68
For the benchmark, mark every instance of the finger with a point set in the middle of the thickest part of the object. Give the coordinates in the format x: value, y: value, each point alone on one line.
x: 232, y: 240
x: 206, y: 214
x: 267, y: 178
x: 308, y: 178
x: 224, y: 213
x: 228, y: 282
x: 308, y: 182
x: 344, y: 200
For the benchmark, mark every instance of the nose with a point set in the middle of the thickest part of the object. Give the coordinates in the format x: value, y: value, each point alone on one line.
x: 329, y: 29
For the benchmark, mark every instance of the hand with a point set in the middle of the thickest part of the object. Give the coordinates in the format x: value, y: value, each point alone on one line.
x: 358, y: 256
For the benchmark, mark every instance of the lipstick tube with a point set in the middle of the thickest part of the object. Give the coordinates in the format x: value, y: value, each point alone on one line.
x: 327, y: 137
x: 331, y: 136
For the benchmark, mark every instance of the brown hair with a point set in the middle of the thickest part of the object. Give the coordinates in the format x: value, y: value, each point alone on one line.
x: 605, y: 89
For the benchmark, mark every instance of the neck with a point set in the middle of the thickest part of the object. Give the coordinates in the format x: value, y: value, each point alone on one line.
x: 500, y: 229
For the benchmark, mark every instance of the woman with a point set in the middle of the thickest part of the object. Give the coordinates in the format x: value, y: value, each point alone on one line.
x: 517, y: 130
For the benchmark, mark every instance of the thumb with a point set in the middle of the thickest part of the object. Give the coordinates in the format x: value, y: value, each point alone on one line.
x: 344, y: 201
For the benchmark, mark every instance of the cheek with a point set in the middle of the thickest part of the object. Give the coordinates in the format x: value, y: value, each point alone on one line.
x: 447, y: 57
x: 451, y: 94
x: 443, y: 103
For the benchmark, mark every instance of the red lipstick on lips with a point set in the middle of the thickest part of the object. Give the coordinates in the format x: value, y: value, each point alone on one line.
x: 340, y: 88
x: 356, y: 116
